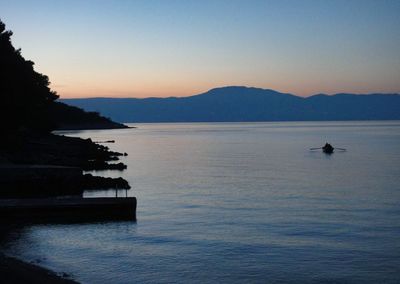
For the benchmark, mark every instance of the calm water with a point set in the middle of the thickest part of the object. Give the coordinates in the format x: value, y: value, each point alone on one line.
x: 240, y: 203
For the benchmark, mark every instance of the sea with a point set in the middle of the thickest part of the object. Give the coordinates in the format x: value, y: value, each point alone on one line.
x: 238, y: 203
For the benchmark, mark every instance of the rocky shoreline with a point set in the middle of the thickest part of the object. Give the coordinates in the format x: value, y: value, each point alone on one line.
x: 13, y: 270
x: 49, y: 165
x: 34, y: 162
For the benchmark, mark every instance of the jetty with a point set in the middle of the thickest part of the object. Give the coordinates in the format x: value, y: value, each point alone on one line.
x: 49, y: 193
x: 72, y: 209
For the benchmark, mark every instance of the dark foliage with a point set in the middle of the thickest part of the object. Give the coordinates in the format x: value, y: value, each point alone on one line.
x: 70, y: 117
x: 28, y: 103
x: 25, y: 93
x: 29, y: 112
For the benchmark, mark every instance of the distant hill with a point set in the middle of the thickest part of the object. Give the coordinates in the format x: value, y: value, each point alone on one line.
x: 237, y: 104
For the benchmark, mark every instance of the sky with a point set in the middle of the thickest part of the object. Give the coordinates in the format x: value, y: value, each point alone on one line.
x: 127, y: 48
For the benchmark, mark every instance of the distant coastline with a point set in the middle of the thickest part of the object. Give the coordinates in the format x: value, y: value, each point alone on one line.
x: 243, y: 104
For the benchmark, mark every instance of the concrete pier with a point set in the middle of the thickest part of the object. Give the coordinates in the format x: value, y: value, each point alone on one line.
x: 68, y: 209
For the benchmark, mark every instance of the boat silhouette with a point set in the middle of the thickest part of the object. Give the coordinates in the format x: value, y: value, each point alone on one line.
x: 327, y: 148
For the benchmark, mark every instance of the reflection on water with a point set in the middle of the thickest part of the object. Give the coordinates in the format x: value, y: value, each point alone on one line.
x: 240, y: 202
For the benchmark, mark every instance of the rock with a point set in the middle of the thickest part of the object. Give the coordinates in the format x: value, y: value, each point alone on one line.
x: 91, y: 182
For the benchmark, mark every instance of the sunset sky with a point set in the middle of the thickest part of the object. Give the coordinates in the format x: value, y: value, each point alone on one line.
x: 126, y: 48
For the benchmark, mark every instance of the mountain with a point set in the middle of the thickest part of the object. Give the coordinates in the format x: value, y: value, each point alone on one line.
x: 237, y: 104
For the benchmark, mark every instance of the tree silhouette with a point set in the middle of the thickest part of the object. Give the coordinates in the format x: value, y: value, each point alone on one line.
x: 27, y: 104
x: 25, y: 93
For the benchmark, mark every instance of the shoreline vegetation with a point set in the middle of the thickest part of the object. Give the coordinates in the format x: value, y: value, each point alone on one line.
x: 29, y: 152
x: 35, y: 162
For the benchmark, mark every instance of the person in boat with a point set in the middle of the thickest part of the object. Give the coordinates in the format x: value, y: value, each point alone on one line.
x: 328, y: 148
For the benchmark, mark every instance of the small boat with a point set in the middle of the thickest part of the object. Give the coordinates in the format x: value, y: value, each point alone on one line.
x: 328, y: 148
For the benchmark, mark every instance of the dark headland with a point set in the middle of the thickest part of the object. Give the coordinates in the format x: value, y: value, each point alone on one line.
x: 35, y: 163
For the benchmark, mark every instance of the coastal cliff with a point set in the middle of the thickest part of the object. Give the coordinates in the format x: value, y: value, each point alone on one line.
x: 29, y: 151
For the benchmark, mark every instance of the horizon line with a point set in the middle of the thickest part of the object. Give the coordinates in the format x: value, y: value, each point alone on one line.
x: 233, y: 86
